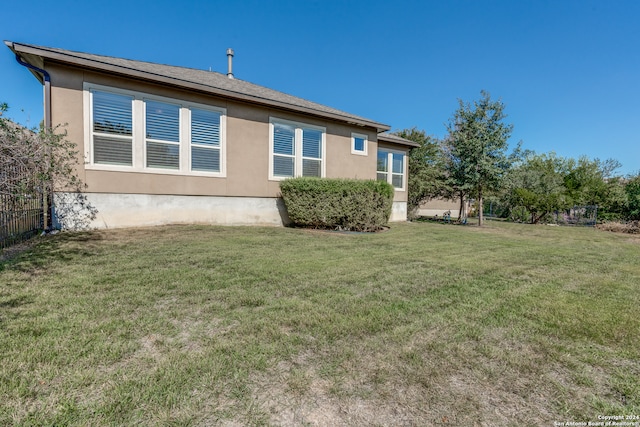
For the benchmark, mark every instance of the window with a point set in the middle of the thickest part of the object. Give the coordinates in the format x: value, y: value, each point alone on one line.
x: 162, y: 135
x: 205, y: 140
x: 284, y: 146
x: 391, y: 167
x: 132, y: 131
x: 311, y: 152
x: 112, y: 130
x: 296, y: 150
x: 359, y: 144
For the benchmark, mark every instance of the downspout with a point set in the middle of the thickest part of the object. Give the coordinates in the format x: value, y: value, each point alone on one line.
x: 47, y: 129
x: 47, y: 90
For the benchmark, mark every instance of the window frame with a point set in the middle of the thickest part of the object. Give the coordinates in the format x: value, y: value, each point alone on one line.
x: 364, y: 151
x: 139, y: 140
x: 389, y: 173
x: 297, y: 156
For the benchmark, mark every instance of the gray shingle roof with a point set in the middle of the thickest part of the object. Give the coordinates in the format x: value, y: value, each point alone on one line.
x: 204, y: 81
x: 395, y: 139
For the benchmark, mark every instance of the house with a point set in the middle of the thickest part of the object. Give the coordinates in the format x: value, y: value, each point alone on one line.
x: 439, y: 207
x: 165, y: 144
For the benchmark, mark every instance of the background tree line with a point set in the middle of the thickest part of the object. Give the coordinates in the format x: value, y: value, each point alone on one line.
x: 472, y: 162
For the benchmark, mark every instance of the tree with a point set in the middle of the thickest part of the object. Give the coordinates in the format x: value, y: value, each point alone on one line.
x: 591, y: 182
x: 476, y: 148
x: 545, y: 183
x: 632, y: 190
x: 537, y: 184
x: 426, y: 170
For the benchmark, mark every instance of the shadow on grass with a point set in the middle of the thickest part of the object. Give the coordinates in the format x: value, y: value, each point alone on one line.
x: 16, y: 302
x: 443, y: 220
x: 43, y: 251
x: 10, y: 308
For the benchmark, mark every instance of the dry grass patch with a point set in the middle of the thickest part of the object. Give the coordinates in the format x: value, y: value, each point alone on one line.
x: 629, y: 227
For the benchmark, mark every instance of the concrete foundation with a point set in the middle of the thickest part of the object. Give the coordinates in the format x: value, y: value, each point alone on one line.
x: 137, y: 210
x: 398, y: 212
x: 108, y: 210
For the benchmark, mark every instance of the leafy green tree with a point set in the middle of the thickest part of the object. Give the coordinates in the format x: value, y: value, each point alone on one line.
x: 586, y: 180
x: 544, y: 183
x: 592, y: 182
x: 426, y: 168
x: 537, y: 184
x: 476, y: 148
x: 632, y: 190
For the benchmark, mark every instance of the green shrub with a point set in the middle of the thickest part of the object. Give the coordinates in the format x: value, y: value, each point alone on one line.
x: 342, y: 204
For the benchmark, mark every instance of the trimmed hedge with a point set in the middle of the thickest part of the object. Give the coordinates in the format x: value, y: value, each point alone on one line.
x: 341, y: 204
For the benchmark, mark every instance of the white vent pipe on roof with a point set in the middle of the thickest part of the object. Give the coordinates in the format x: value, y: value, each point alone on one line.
x: 230, y: 63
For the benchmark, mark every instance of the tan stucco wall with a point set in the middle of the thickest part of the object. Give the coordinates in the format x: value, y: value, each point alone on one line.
x: 247, y: 143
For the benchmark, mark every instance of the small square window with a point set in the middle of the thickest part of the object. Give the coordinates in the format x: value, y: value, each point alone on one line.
x: 359, y: 144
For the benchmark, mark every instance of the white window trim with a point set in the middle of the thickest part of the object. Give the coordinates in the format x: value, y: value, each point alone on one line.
x: 353, y: 144
x: 298, y: 126
x: 390, y: 152
x: 139, y: 136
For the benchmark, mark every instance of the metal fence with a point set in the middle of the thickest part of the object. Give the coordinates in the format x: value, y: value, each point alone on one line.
x: 23, y: 199
x: 578, y: 215
x: 21, y: 217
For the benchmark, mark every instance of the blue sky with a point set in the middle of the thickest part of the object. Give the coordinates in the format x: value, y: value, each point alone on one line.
x: 567, y: 71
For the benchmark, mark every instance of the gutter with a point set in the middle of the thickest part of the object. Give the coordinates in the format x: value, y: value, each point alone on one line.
x: 47, y: 88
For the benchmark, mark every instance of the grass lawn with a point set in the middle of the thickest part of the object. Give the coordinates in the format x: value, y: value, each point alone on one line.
x: 425, y: 324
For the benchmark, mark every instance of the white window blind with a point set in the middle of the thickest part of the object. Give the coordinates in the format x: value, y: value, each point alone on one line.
x: 284, y: 149
x: 311, y: 152
x: 162, y: 127
x: 112, y: 128
x: 205, y: 140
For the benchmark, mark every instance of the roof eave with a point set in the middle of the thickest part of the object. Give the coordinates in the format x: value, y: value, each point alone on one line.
x: 397, y: 140
x: 33, y: 59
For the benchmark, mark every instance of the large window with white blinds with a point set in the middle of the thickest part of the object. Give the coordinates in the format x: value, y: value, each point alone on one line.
x: 143, y: 133
x: 297, y: 149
